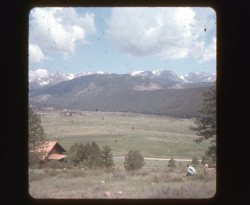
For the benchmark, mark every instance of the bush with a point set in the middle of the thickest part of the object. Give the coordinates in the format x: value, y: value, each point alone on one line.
x: 195, y: 161
x: 133, y: 160
x: 172, y: 164
x: 90, y: 155
x: 106, y: 158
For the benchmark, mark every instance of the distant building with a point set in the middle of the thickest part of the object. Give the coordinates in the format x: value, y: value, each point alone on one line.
x: 66, y: 113
x: 51, y: 150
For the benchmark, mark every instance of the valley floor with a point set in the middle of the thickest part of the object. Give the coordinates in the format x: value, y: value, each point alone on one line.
x: 154, y: 135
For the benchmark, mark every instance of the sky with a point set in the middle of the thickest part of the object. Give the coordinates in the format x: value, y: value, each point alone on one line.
x: 122, y: 40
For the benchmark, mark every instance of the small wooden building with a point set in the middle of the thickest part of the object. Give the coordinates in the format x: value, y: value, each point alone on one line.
x: 52, y: 150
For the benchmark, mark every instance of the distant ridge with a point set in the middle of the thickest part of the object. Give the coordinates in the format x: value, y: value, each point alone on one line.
x: 52, y: 79
x: 159, y: 92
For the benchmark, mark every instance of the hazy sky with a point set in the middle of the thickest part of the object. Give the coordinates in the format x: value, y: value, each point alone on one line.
x: 122, y: 40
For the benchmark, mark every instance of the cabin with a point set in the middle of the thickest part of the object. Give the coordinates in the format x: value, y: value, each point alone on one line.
x: 51, y: 150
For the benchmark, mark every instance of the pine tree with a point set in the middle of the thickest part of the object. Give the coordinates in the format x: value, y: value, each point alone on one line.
x: 93, y: 160
x: 76, y: 154
x: 36, y: 137
x: 106, y: 158
x: 205, y: 126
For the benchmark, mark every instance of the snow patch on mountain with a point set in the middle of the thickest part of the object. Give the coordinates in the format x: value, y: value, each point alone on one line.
x: 137, y: 73
x: 41, y: 77
x: 197, y: 77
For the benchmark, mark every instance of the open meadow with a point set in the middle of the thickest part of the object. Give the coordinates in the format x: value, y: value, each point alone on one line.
x: 153, y: 135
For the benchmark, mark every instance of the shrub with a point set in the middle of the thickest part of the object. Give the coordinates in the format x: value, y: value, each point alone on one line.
x: 172, y: 164
x: 133, y: 160
x: 195, y: 161
x: 90, y: 155
x: 106, y: 157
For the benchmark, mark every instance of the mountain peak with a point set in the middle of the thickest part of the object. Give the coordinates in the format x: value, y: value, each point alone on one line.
x: 41, y: 77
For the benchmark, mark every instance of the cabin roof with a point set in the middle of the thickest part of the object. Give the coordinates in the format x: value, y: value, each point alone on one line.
x: 48, y: 146
x: 46, y: 149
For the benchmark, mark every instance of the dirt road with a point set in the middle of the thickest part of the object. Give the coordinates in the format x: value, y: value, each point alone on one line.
x: 160, y: 159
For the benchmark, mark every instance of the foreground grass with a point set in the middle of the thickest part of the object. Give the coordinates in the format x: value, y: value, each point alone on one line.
x: 149, y: 182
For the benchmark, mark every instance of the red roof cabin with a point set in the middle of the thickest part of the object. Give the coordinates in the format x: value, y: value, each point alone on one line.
x: 52, y: 151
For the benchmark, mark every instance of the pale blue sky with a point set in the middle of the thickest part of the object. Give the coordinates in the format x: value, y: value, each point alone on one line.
x: 122, y: 40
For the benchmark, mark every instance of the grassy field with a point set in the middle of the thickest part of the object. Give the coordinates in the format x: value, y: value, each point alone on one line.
x: 155, y: 136
x: 152, y: 181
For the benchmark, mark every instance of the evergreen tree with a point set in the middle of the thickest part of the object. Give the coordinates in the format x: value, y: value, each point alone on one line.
x: 86, y: 154
x: 93, y: 160
x: 106, y: 158
x: 76, y: 154
x: 36, y: 137
x: 133, y: 160
x: 206, y: 125
x: 211, y: 152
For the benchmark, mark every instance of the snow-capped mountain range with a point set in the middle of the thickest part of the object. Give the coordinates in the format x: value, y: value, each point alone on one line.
x: 47, y: 79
